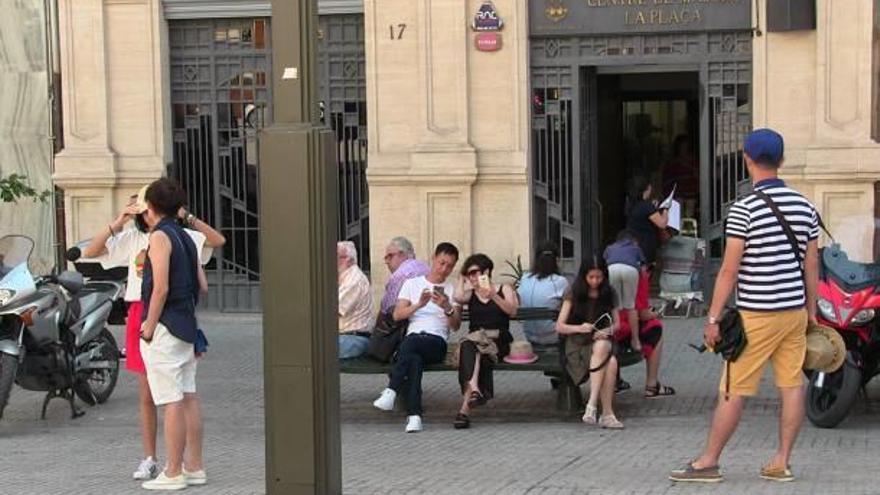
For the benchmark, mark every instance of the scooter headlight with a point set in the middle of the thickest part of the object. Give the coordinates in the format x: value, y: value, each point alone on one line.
x: 864, y: 316
x: 5, y: 296
x: 826, y: 309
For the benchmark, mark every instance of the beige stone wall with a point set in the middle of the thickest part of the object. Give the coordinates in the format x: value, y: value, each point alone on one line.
x: 114, y: 112
x: 815, y: 88
x: 448, y: 130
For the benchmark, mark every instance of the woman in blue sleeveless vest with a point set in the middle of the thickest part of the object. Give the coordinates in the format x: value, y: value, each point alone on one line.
x: 171, y: 284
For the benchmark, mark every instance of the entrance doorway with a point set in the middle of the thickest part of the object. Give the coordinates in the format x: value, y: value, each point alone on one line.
x: 603, y: 107
x: 648, y: 126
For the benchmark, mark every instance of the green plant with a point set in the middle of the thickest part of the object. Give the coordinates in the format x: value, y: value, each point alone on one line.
x: 15, y: 187
x: 518, y: 271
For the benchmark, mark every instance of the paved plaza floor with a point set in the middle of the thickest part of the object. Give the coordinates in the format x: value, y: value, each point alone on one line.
x: 518, y: 444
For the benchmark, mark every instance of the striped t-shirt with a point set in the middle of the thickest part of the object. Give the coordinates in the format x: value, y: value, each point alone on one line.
x: 770, y: 277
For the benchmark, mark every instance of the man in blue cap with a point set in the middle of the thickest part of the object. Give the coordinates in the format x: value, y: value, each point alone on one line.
x: 772, y: 259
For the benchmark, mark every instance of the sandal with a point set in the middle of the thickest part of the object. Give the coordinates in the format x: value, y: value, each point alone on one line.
x: 621, y: 386
x: 658, y: 391
x: 590, y: 414
x: 462, y: 422
x: 476, y: 399
x: 610, y: 422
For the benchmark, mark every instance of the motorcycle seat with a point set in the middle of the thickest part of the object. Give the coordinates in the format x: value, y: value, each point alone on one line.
x: 851, y: 275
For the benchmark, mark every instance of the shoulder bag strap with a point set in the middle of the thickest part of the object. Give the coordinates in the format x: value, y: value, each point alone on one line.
x: 789, y: 233
x: 786, y: 228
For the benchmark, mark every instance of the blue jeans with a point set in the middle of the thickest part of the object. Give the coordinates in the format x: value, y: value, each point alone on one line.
x: 352, y: 346
x: 416, y: 351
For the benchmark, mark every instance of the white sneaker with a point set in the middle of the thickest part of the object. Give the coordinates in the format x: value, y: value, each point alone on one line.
x: 195, y: 478
x: 163, y: 482
x: 147, y: 469
x: 385, y: 401
x: 413, y: 424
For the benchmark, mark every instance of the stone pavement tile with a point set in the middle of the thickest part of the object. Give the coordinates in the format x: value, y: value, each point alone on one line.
x: 519, y: 444
x: 97, y: 453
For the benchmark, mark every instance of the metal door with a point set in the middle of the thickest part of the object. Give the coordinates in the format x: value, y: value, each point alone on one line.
x: 220, y: 97
x: 342, y: 85
x: 591, y: 206
x: 556, y: 170
x: 727, y: 118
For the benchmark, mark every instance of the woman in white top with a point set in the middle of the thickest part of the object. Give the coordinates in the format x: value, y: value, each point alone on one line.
x: 124, y: 243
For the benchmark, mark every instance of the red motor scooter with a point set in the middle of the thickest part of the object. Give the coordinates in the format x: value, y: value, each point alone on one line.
x: 849, y: 302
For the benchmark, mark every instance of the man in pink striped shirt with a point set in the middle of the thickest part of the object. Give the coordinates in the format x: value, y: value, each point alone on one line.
x: 400, y: 260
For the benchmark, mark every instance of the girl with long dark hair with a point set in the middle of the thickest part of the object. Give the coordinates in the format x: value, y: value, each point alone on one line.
x: 588, y: 320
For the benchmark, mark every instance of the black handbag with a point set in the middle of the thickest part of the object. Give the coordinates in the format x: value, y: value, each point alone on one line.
x: 733, y: 341
x: 386, y: 337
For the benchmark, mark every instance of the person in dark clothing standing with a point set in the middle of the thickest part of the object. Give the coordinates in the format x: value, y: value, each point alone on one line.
x: 491, y: 307
x: 171, y: 285
x: 644, y: 219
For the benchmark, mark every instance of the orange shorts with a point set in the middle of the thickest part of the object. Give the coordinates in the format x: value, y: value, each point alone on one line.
x: 778, y: 337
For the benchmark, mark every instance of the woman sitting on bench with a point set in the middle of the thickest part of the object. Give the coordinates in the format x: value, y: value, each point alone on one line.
x: 588, y: 320
x: 491, y: 307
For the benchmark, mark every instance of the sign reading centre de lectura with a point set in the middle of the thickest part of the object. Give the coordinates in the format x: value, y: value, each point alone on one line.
x: 579, y: 17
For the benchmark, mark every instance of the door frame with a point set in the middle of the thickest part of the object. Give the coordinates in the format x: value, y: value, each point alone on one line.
x: 592, y: 223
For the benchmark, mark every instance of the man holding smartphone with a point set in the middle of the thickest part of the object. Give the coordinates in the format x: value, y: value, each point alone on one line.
x: 426, y: 303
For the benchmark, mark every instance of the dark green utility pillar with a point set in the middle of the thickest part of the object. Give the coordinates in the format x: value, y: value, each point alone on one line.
x: 298, y: 233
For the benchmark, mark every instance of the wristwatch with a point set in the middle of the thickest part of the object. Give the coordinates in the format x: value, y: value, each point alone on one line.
x: 189, y: 218
x: 450, y: 312
x: 713, y: 320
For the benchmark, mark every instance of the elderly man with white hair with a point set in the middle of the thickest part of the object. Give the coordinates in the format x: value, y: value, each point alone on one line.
x: 355, y: 303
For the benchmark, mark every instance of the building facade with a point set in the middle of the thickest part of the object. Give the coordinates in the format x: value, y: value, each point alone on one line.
x: 493, y: 125
x: 26, y: 70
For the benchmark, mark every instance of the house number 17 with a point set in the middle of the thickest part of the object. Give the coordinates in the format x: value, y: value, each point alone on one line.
x: 396, y: 32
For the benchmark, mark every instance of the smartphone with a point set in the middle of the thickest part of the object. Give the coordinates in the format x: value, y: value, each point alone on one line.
x: 439, y: 290
x: 483, y: 281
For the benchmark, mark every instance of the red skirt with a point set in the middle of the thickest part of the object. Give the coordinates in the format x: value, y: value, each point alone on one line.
x: 133, y: 360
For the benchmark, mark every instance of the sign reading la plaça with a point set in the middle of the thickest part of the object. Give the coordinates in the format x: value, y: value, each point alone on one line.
x: 589, y: 17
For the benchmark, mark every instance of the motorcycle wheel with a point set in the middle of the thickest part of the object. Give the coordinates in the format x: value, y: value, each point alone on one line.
x: 8, y: 368
x: 96, y: 386
x: 828, y: 406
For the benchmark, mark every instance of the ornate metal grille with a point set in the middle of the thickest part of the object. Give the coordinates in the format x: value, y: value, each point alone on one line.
x: 342, y: 84
x: 220, y: 97
x: 555, y: 171
x: 728, y: 100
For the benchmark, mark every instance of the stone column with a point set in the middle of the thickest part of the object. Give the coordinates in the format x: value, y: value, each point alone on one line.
x: 448, y: 129
x: 114, y: 107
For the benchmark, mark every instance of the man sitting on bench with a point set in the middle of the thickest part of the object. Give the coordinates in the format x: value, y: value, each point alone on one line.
x: 426, y: 303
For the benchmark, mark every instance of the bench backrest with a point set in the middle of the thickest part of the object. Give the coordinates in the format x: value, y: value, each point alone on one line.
x: 525, y: 314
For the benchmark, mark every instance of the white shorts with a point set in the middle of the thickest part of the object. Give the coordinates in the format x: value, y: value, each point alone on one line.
x: 171, y: 366
x: 625, y: 281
